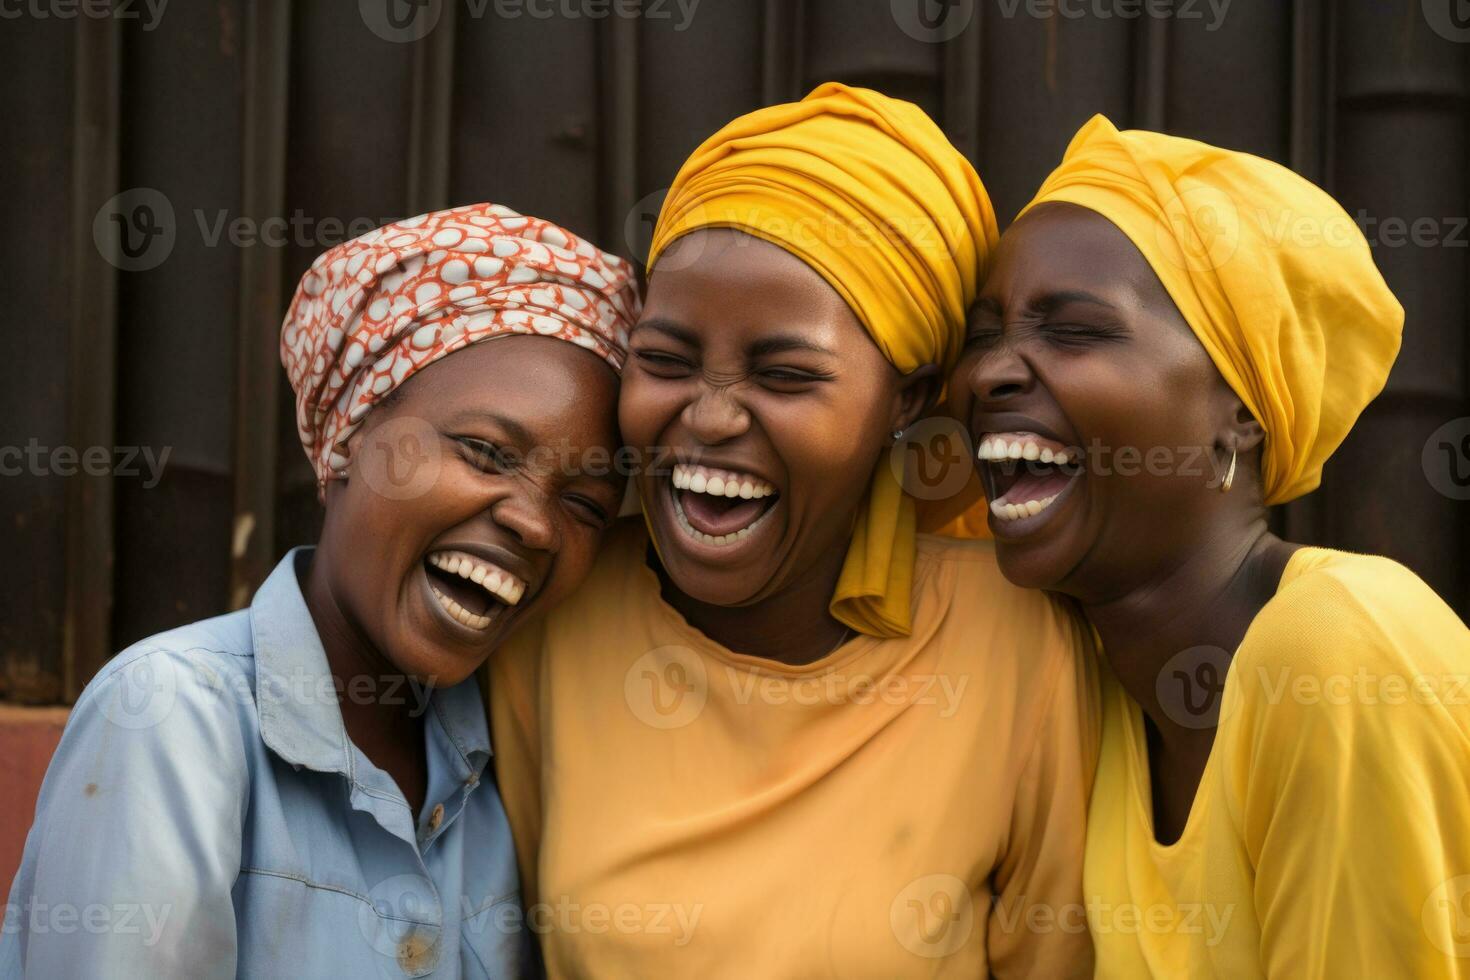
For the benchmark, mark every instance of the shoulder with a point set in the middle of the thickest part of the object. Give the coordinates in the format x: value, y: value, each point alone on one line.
x: 186, y: 680
x: 1336, y: 611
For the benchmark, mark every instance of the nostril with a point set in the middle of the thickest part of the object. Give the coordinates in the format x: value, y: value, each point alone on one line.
x: 1005, y: 390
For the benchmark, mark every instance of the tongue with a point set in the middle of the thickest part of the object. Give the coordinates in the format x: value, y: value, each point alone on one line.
x: 717, y: 516
x: 1036, y: 485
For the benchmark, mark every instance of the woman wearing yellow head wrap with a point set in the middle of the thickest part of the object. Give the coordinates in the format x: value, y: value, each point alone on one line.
x: 1178, y: 336
x: 814, y: 741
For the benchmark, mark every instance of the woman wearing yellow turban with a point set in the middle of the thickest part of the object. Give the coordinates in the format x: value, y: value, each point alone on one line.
x: 1175, y: 337
x: 800, y: 739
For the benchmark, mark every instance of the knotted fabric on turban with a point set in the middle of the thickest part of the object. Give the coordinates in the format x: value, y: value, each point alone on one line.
x: 868, y: 192
x: 371, y: 312
x: 1275, y: 279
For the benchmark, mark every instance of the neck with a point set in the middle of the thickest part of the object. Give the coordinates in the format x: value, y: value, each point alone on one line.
x: 792, y: 626
x: 1207, y: 599
x: 369, y: 721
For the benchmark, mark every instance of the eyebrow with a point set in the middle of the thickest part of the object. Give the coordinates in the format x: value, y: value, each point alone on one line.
x: 1051, y: 301
x: 516, y: 431
x: 780, y: 344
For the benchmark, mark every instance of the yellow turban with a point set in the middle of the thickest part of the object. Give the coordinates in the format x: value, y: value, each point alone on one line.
x: 1275, y: 279
x: 868, y: 192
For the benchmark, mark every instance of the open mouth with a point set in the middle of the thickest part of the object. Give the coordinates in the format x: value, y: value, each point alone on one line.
x: 1026, y: 473
x: 474, y: 592
x: 720, y: 507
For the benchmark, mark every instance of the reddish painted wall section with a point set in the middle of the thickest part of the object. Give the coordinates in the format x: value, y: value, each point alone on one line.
x: 28, y: 736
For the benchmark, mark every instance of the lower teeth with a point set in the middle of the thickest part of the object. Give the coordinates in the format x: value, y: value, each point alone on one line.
x: 1014, y: 512
x: 460, y: 613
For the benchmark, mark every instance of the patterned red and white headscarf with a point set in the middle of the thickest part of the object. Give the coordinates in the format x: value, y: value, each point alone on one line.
x: 371, y: 312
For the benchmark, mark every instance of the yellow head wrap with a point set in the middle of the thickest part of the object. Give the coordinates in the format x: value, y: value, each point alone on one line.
x: 867, y: 191
x: 1275, y: 279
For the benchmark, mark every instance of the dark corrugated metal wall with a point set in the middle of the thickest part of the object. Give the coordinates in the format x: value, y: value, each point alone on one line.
x: 258, y: 108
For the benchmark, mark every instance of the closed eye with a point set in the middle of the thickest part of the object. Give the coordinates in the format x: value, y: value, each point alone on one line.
x: 486, y: 456
x: 663, y: 364
x: 588, y: 511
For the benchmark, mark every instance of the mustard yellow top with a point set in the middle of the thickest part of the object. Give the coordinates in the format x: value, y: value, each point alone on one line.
x: 910, y: 806
x: 1330, y: 836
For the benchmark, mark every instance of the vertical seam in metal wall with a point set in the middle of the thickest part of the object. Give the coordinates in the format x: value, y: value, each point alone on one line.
x: 257, y: 358
x: 1151, y: 73
x: 783, y: 46
x: 430, y: 115
x: 618, y: 70
x: 962, y: 58
x: 92, y: 408
x: 1301, y: 520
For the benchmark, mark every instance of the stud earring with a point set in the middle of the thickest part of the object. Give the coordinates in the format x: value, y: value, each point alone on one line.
x: 897, y: 434
x: 1229, y: 475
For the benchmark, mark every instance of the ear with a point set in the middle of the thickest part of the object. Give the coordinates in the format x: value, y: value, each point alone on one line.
x: 918, y: 393
x: 1242, y: 433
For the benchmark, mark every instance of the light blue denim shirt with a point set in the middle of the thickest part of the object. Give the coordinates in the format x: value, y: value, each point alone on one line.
x: 205, y: 815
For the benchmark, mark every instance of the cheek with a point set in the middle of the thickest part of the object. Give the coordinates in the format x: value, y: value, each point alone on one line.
x: 830, y: 442
x: 646, y: 406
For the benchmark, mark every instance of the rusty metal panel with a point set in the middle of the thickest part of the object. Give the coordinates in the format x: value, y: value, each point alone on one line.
x: 1229, y: 76
x: 35, y: 297
x: 177, y: 317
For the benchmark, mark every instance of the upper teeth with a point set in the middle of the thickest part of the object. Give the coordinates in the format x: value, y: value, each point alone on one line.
x: 1022, y: 445
x: 492, y: 578
x: 720, y: 483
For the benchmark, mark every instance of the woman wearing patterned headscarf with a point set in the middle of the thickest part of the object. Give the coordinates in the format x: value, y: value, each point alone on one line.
x: 780, y: 733
x: 301, y: 788
x: 1174, y: 338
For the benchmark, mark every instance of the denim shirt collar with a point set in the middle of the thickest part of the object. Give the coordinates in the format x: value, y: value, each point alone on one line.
x: 300, y: 719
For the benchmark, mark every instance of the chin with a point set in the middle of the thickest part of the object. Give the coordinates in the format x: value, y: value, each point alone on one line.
x: 1030, y: 566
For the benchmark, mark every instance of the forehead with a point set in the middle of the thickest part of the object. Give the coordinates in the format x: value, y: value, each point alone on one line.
x: 724, y: 283
x: 544, y: 384
x: 1063, y: 247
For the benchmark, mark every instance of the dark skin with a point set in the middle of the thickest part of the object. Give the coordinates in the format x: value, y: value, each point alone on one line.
x: 1075, y: 338
x: 449, y: 463
x: 747, y: 360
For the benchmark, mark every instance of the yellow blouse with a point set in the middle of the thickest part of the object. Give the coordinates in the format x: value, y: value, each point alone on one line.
x: 1330, y: 836
x: 902, y: 807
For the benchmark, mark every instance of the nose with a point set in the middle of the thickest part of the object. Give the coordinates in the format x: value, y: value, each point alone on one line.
x: 716, y: 416
x: 999, y: 375
x: 527, y: 514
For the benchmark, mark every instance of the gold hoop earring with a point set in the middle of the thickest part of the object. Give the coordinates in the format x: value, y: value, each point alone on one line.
x: 1229, y: 475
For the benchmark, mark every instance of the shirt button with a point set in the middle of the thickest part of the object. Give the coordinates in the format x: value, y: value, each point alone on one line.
x: 416, y: 954
x: 436, y: 817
